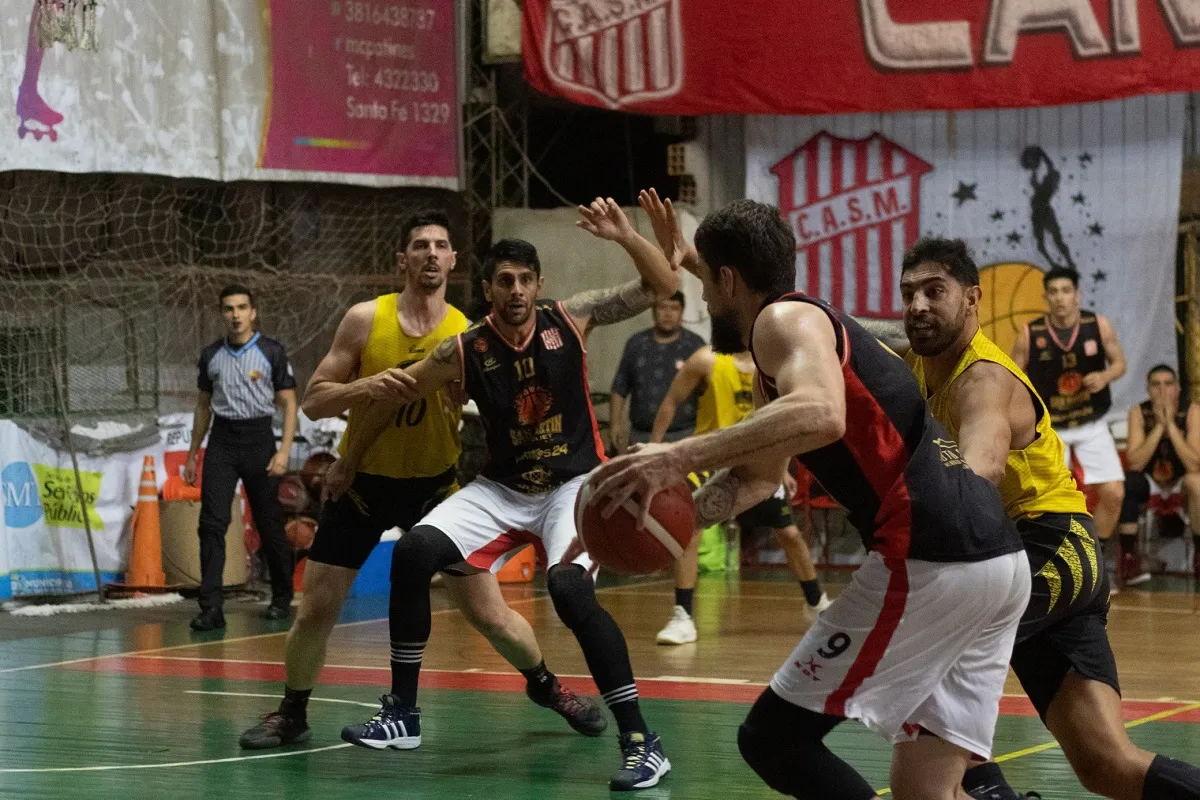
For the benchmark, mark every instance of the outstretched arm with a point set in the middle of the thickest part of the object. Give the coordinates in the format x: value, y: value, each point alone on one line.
x: 439, y: 368
x: 794, y: 343
x: 334, y: 387
x: 658, y: 280
x: 695, y: 371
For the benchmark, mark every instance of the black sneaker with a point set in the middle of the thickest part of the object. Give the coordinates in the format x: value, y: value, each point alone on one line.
x: 393, y: 726
x: 275, y: 730
x: 583, y: 714
x: 274, y: 612
x: 209, y: 619
x: 643, y: 763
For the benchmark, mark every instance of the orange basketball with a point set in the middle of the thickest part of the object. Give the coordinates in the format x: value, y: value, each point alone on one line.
x: 300, y: 532
x: 616, y: 542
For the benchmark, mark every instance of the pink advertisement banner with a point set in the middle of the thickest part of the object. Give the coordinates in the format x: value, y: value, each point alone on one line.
x: 363, y: 87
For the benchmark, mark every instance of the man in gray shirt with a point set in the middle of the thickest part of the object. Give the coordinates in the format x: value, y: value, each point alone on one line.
x: 648, y: 365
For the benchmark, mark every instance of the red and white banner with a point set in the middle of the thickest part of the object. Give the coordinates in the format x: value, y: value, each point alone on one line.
x: 783, y: 57
x: 1094, y: 188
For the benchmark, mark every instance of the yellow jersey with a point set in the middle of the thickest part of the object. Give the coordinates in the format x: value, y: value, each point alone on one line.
x: 425, y: 440
x: 728, y: 397
x: 1036, y: 479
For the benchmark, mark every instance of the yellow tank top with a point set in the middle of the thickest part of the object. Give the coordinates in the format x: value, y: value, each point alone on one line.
x: 1036, y: 480
x: 424, y: 441
x: 728, y: 397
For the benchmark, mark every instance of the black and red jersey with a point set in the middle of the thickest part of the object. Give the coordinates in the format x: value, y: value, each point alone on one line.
x: 1058, y: 362
x: 534, y: 401
x: 896, y: 470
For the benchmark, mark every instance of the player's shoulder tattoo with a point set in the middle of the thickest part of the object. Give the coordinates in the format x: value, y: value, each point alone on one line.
x: 446, y: 352
x: 608, y: 306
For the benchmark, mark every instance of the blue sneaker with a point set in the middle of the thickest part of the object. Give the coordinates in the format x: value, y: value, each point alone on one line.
x: 643, y: 762
x: 394, y: 727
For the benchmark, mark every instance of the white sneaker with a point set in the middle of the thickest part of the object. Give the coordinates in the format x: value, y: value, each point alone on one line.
x: 679, y: 629
x: 1141, y: 577
x: 822, y: 604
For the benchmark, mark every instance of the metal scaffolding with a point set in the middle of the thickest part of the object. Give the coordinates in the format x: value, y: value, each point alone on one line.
x: 495, y: 143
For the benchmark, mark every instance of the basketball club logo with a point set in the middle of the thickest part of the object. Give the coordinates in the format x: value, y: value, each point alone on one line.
x: 854, y: 206
x: 552, y: 339
x: 533, y: 403
x: 618, y: 51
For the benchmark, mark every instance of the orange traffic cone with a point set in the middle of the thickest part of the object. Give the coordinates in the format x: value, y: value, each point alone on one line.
x: 145, y: 551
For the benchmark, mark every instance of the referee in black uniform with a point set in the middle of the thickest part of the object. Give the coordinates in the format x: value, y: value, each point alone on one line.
x: 242, y: 377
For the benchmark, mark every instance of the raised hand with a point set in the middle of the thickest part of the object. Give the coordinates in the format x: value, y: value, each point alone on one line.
x: 667, y: 231
x: 604, y: 219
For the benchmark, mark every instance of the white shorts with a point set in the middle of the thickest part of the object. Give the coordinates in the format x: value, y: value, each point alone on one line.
x: 490, y: 522
x: 924, y: 645
x: 1095, y: 450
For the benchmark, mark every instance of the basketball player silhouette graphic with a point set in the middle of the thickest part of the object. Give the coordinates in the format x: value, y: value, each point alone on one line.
x: 1042, y: 216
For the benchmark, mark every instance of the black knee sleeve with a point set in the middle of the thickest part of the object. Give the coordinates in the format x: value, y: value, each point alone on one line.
x: 783, y: 744
x: 420, y: 553
x: 573, y: 594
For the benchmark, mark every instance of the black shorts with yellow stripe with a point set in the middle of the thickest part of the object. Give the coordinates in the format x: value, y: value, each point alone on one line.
x: 1064, y: 628
x: 774, y: 512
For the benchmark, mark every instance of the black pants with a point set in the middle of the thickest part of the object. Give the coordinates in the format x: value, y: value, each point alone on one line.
x: 241, y: 449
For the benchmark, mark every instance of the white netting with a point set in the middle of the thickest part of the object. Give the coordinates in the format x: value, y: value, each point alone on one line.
x: 110, y: 282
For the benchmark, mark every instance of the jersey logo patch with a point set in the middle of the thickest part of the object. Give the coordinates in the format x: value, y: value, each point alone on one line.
x: 480, y: 345
x: 1041, y: 341
x: 533, y: 403
x: 948, y: 448
x: 254, y: 375
x: 552, y: 339
x: 1090, y: 348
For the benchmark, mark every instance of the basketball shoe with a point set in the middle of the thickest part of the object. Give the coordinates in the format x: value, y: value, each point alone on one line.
x: 393, y: 726
x: 644, y: 762
x: 275, y: 730
x: 581, y: 713
x: 680, y: 629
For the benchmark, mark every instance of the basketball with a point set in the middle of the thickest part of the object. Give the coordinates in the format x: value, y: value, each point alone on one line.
x: 293, y: 495
x: 313, y: 471
x: 300, y: 532
x: 617, y: 544
x: 1012, y: 297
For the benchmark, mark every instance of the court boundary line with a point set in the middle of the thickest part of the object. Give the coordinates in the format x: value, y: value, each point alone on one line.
x: 204, y: 762
x: 694, y: 679
x: 252, y: 637
x: 1054, y: 745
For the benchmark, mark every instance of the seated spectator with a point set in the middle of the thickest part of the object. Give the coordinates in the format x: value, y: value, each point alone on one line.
x: 648, y: 365
x: 1163, y: 456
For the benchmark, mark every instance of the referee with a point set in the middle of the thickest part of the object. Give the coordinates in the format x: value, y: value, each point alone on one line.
x: 242, y: 377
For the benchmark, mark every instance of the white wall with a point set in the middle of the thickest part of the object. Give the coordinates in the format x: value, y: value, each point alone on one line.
x: 574, y: 261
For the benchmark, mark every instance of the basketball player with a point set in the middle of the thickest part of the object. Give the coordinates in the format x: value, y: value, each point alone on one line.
x: 726, y: 383
x: 917, y: 645
x: 525, y: 366
x: 1071, y: 357
x: 1062, y: 655
x: 1163, y: 453
x: 409, y: 469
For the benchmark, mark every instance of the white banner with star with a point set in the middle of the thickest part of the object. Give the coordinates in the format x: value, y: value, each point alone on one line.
x: 1094, y: 187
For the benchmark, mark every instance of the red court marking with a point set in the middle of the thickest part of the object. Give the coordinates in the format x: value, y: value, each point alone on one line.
x: 490, y: 682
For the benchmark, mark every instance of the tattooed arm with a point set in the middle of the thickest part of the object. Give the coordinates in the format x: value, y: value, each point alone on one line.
x: 658, y: 280
x: 440, y: 368
x: 890, y: 332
